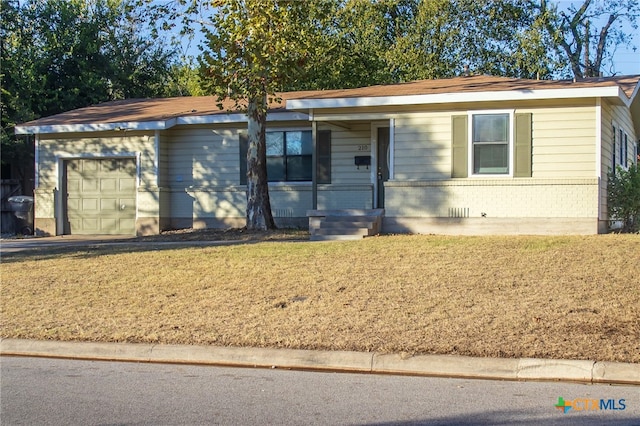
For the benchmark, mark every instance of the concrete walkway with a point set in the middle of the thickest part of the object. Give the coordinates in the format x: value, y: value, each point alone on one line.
x: 340, y: 361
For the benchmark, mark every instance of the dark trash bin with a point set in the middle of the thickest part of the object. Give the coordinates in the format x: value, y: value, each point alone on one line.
x: 22, y: 208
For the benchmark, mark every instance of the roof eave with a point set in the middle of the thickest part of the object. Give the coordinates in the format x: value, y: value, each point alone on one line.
x: 458, y: 97
x: 95, y: 127
x: 155, y: 125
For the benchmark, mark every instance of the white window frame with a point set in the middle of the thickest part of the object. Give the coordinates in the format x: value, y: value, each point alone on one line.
x: 510, y: 166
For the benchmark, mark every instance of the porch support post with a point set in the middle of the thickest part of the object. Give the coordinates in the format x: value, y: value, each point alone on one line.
x: 392, y: 142
x: 314, y: 166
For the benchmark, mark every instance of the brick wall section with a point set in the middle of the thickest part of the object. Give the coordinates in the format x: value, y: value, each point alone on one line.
x: 513, y: 198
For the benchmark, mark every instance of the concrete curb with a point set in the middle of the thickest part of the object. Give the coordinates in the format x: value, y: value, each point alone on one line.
x: 423, y: 365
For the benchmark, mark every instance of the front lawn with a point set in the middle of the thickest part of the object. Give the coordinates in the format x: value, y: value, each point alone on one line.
x: 521, y: 296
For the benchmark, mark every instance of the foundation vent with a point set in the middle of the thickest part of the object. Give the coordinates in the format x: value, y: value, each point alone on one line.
x: 282, y: 212
x: 458, y: 212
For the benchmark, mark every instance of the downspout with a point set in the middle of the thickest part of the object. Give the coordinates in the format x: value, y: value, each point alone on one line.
x: 36, y: 159
x: 156, y: 157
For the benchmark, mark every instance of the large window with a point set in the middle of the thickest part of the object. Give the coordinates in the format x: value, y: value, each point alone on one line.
x: 490, y: 140
x: 289, y: 156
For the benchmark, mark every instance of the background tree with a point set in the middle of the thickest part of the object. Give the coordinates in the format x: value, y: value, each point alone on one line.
x: 448, y: 37
x: 585, y: 37
x: 62, y: 55
x: 390, y: 41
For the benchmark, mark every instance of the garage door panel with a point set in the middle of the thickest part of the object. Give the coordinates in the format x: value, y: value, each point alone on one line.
x: 90, y: 205
x: 89, y: 166
x: 109, y: 224
x: 90, y: 224
x: 109, y: 205
x: 126, y: 184
x: 73, y: 185
x: 110, y: 165
x: 73, y: 203
x: 89, y: 185
x: 127, y: 223
x: 108, y: 185
x: 75, y: 224
x: 96, y: 191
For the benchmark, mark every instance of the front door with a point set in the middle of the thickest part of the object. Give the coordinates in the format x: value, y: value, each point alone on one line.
x: 382, y: 157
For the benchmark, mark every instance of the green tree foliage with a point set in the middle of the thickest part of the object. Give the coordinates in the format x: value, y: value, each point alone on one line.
x: 623, y: 197
x: 390, y: 41
x: 451, y: 37
x: 62, y: 55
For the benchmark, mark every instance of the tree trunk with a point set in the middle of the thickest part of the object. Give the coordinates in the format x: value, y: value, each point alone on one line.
x: 259, y: 216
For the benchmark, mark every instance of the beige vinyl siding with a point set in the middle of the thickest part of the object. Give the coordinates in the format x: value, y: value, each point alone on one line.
x: 345, y: 145
x: 423, y: 147
x: 564, y: 142
x: 203, y: 157
x: 203, y: 175
x: 164, y: 160
x: 112, y: 144
x: 620, y: 117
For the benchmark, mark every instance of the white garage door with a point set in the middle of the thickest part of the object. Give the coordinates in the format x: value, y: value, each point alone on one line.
x: 101, y: 196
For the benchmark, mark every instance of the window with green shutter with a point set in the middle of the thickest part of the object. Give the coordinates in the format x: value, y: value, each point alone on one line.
x: 289, y: 156
x: 488, y: 143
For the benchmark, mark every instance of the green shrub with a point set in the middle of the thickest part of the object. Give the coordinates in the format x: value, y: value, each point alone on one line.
x: 623, y: 197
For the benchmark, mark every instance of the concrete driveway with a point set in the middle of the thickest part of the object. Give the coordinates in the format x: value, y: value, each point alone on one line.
x: 17, y: 245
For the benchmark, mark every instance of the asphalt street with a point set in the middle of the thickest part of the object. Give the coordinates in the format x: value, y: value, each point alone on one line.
x: 43, y: 391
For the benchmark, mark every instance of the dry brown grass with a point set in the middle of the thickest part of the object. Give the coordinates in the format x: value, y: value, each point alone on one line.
x: 547, y: 297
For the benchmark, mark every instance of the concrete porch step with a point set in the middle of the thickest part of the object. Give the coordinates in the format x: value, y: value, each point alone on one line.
x: 344, y: 224
x: 343, y: 230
